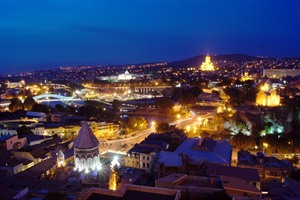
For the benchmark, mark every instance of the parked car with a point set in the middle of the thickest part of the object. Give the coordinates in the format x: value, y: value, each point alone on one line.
x: 131, y: 171
x: 127, y: 170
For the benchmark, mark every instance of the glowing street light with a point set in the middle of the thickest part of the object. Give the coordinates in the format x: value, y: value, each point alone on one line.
x: 265, y: 146
x: 199, y: 120
x: 178, y: 116
x: 153, y: 124
x: 188, y: 128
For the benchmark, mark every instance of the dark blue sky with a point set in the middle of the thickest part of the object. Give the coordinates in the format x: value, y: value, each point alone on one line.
x: 42, y: 33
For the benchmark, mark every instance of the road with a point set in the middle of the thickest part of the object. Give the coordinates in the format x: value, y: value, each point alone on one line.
x: 125, y: 144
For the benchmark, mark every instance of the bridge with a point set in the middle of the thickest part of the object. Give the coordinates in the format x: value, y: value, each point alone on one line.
x: 53, y: 97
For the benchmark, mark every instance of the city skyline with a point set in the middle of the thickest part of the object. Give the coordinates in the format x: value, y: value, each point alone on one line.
x: 37, y: 35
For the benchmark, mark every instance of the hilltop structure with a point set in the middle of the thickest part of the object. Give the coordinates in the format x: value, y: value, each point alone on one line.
x: 207, y: 65
x: 86, y: 150
x: 267, y: 96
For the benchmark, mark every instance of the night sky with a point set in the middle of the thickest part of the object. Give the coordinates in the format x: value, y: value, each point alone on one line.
x: 36, y: 34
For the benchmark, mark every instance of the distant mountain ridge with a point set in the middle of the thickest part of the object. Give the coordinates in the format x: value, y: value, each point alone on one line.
x: 197, y: 60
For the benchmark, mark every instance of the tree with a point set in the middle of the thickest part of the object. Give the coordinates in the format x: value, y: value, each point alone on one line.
x: 243, y: 141
x: 116, y: 104
x: 59, y: 107
x: 164, y: 127
x: 16, y: 104
x: 29, y: 102
x: 294, y: 160
x: 40, y: 108
x: 87, y: 111
x: 187, y: 100
x: 236, y: 96
x: 217, y: 122
x: 196, y: 91
x: 164, y: 105
x: 142, y: 123
x: 56, y: 196
x: 24, y: 130
x: 134, y: 124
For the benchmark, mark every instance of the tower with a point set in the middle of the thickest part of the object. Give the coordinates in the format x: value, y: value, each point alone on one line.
x: 86, y: 150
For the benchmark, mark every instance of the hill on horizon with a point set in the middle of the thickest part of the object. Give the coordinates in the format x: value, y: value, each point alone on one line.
x: 197, y: 60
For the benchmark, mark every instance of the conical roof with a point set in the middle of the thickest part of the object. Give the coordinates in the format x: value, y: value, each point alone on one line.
x: 268, y: 82
x: 86, y: 138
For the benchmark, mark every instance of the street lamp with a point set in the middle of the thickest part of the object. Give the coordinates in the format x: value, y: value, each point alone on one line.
x: 178, y: 116
x: 153, y: 124
x: 199, y: 120
x: 265, y: 146
x: 188, y: 128
x: 199, y: 125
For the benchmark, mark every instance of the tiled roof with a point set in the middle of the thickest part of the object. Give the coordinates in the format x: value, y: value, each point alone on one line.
x: 86, y: 138
x: 230, y: 183
x: 203, y: 149
x: 247, y: 174
x: 170, y: 159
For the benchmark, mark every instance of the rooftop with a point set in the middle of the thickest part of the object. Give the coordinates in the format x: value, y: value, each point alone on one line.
x: 198, y: 149
x: 86, y: 138
x: 238, y: 184
x: 131, y: 192
x: 247, y: 174
x: 170, y: 159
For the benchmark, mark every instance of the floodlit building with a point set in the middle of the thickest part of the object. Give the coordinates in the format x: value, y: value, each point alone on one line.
x: 19, y: 84
x: 246, y: 76
x: 86, y: 150
x: 207, y: 65
x: 279, y: 73
x: 125, y: 77
x: 267, y: 96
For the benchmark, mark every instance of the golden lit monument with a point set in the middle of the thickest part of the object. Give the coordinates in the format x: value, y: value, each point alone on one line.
x: 207, y: 65
x: 267, y: 96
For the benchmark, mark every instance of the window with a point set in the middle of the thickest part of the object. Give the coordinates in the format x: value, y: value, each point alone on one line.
x: 147, y: 165
x: 144, y: 165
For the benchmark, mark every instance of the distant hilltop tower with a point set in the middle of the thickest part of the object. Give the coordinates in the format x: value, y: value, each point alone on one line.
x: 86, y: 150
x: 207, y: 65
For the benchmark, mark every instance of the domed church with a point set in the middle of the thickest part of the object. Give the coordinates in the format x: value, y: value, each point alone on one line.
x: 86, y: 150
x: 207, y: 65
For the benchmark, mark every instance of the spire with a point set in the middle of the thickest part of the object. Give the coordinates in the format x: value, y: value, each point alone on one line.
x: 86, y: 138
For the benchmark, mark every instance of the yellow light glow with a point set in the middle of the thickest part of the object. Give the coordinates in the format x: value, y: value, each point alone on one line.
x: 153, y: 124
x: 207, y: 65
x: 188, y: 128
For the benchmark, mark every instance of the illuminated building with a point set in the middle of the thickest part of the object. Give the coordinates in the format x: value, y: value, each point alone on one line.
x: 267, y: 96
x: 86, y: 150
x: 279, y: 73
x: 19, y: 84
x: 60, y: 159
x: 125, y: 77
x: 121, y: 77
x: 207, y: 65
x: 246, y: 77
